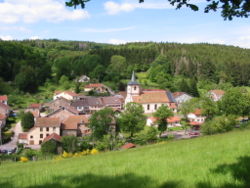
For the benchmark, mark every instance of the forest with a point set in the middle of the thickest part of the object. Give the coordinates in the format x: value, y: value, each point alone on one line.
x: 26, y: 65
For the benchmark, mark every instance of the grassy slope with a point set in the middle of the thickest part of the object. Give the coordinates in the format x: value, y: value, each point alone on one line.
x: 214, y: 161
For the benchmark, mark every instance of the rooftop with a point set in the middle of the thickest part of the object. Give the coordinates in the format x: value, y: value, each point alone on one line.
x: 47, y: 122
x: 72, y: 122
x: 53, y: 136
x: 3, y: 97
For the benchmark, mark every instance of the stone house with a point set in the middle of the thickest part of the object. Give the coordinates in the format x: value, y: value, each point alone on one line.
x: 43, y: 127
x: 57, y: 104
x: 63, y: 113
x: 76, y: 126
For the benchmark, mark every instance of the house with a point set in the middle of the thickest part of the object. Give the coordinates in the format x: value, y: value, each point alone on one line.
x: 57, y: 104
x: 88, y: 104
x: 4, y: 109
x: 22, y: 138
x: 35, y: 109
x: 53, y: 136
x: 114, y: 102
x: 2, y: 120
x: 181, y: 97
x: 150, y: 99
x: 216, y: 94
x: 69, y: 95
x: 76, y: 126
x: 63, y: 113
x: 173, y: 121
x: 83, y: 79
x: 43, y: 127
x: 196, y: 119
x: 4, y: 99
x: 100, y: 88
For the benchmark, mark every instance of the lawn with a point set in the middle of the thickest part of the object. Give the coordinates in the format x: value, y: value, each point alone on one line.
x: 211, y: 161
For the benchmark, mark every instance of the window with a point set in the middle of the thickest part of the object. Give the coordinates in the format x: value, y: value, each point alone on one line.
x: 148, y: 107
x: 41, y: 135
x: 31, y: 136
x: 47, y: 135
x: 40, y: 141
x: 135, y: 88
x: 155, y: 106
x: 47, y: 129
x: 41, y: 129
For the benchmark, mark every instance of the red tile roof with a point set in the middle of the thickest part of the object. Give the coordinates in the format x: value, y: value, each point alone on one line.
x: 2, y: 117
x: 3, y: 98
x: 35, y: 105
x: 53, y: 136
x: 195, y: 123
x: 95, y: 85
x: 198, y: 112
x: 128, y: 146
x: 173, y: 119
x: 152, y: 97
x: 72, y: 122
x: 47, y: 122
x: 218, y: 92
x: 153, y: 90
x: 22, y: 136
x: 71, y: 93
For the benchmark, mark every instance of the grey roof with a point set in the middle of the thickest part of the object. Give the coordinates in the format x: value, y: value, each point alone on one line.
x: 87, y: 101
x: 171, y: 97
x: 133, y: 80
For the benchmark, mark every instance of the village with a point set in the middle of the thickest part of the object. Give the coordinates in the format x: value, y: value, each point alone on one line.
x: 68, y: 113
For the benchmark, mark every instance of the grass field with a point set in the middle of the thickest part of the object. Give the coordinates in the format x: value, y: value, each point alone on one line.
x: 214, y: 161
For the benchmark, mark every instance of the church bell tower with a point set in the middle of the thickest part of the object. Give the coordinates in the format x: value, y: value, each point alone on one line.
x: 133, y: 89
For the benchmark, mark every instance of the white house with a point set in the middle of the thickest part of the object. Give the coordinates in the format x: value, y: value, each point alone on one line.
x: 173, y: 121
x: 83, y: 79
x: 196, y: 118
x: 69, y: 95
x: 150, y: 99
x: 216, y: 94
x: 181, y: 97
x: 4, y: 99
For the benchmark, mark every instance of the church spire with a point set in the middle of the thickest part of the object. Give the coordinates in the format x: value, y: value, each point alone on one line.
x: 133, y: 80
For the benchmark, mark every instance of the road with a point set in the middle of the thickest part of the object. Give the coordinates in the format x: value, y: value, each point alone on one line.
x: 179, y: 134
x: 12, y: 144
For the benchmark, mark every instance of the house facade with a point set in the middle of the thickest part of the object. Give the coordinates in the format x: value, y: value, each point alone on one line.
x: 98, y: 87
x: 69, y: 95
x: 150, y: 99
x: 42, y: 129
x: 196, y: 119
x: 216, y: 94
x: 4, y: 109
x: 63, y: 113
x: 173, y: 121
x: 76, y: 126
x: 4, y: 99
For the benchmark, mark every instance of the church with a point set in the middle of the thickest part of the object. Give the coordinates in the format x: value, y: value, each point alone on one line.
x: 150, y: 99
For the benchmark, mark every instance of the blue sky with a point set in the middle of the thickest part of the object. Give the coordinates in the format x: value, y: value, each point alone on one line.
x: 118, y: 21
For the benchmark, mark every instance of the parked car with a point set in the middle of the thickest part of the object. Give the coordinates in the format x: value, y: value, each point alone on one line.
x: 194, y: 133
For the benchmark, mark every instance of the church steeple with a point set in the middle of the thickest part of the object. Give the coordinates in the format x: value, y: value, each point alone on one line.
x: 133, y: 80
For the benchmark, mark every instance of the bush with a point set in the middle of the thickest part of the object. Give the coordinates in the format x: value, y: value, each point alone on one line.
x: 49, y: 147
x: 69, y: 144
x: 148, y: 135
x: 27, y: 121
x: 219, y: 124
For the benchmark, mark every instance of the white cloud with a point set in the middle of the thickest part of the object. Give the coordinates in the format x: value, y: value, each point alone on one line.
x: 6, y: 37
x: 113, y: 8
x: 30, y: 11
x: 117, y: 41
x: 34, y: 38
x: 108, y: 30
x: 14, y: 28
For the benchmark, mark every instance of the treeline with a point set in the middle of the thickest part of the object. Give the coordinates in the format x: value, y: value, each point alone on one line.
x: 25, y: 65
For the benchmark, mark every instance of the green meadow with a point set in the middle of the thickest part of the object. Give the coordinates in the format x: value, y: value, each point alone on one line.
x: 221, y: 160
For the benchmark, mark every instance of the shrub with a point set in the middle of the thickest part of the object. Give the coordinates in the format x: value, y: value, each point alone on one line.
x: 49, y: 147
x: 148, y: 135
x: 69, y: 144
x: 27, y: 120
x: 94, y: 151
x: 219, y: 124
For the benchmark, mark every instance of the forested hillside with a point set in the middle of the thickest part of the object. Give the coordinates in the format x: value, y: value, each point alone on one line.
x: 26, y: 65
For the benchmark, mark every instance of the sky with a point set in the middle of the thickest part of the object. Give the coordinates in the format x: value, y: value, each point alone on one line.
x: 118, y: 22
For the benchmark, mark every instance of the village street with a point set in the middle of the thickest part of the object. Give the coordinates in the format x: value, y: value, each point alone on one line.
x: 12, y: 144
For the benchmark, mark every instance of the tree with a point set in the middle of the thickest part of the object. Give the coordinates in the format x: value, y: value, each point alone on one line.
x: 162, y: 113
x: 193, y: 90
x: 69, y: 143
x: 236, y: 102
x: 132, y: 120
x: 102, y: 123
x: 27, y: 121
x: 229, y: 8
x: 209, y: 107
x: 49, y: 147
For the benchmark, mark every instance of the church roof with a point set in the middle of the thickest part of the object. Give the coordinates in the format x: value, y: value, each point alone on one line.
x: 133, y: 80
x: 152, y: 97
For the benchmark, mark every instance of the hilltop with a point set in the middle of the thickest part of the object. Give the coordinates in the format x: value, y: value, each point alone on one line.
x: 212, y: 161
